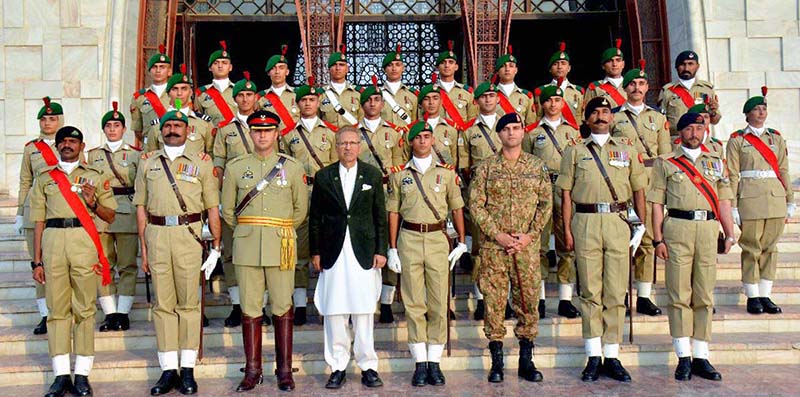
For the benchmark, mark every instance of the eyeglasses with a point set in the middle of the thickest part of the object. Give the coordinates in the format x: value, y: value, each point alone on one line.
x: 349, y: 143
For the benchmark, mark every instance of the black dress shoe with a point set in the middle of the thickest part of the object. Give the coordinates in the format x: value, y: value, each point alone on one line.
x: 41, y: 328
x: 479, y: 310
x: 592, y: 370
x: 769, y: 306
x: 205, y: 321
x: 370, y: 378
x: 509, y: 312
x: 420, y: 377
x: 386, y: 317
x: 169, y: 380
x: 265, y: 318
x: 567, y: 309
x: 82, y: 386
x: 123, y: 322
x: 613, y: 368
x: 646, y: 306
x: 109, y: 323
x: 684, y: 369
x: 188, y: 384
x: 300, y: 316
x: 336, y: 380
x: 435, y: 375
x: 702, y: 368
x: 235, y: 318
x: 541, y: 309
x: 62, y: 385
x: 754, y: 306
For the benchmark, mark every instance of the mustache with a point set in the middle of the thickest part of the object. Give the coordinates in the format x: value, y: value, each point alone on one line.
x: 601, y: 122
x: 172, y: 135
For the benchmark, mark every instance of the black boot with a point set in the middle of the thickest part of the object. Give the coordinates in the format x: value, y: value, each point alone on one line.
x: 542, y: 308
x: 702, y: 368
x: 509, y: 311
x: 613, y: 368
x: 235, y: 318
x: 592, y: 370
x: 82, y: 386
x: 300, y: 316
x: 420, y: 377
x: 684, y: 369
x: 123, y: 322
x: 188, y: 384
x: 386, y: 317
x: 265, y: 320
x: 435, y: 375
x: 567, y: 309
x: 645, y: 306
x: 769, y: 306
x: 496, y: 372
x: 62, y: 385
x: 527, y: 370
x: 754, y: 306
x: 169, y: 380
x: 479, y: 310
x: 109, y: 323
x: 41, y: 328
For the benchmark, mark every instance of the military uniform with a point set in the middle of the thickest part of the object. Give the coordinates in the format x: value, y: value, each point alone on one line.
x: 672, y: 104
x: 606, y: 88
x: 200, y: 134
x: 404, y: 98
x: 349, y: 101
x: 573, y: 97
x: 445, y: 147
x: 520, y: 101
x: 461, y: 98
x: 223, y: 92
x: 287, y: 100
x: 478, y: 142
x: 388, y: 144
x: 711, y: 144
x: 143, y: 113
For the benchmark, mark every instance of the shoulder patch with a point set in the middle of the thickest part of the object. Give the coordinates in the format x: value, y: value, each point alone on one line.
x: 397, y: 168
x: 468, y: 88
x: 529, y: 94
x: 737, y: 134
x: 262, y: 93
x: 203, y: 88
x: 448, y: 166
x: 204, y: 156
x: 774, y: 131
x: 146, y: 155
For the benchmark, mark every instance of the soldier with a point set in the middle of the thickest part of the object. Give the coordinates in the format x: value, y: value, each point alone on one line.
x: 548, y: 140
x: 610, y: 87
x: 149, y: 104
x: 312, y: 144
x: 512, y: 98
x: 687, y: 240
x: 120, y: 161
x: 422, y: 192
x: 216, y: 99
x: 457, y: 103
x: 445, y: 146
x: 763, y: 199
x: 279, y: 97
x: 174, y: 186
x: 573, y: 94
x: 200, y: 131
x: 64, y: 198
x: 648, y: 129
x: 37, y: 155
x: 401, y: 102
x: 382, y: 147
x: 710, y: 143
x: 678, y: 96
x: 511, y: 199
x: 601, y: 175
x: 264, y: 198
x: 340, y: 105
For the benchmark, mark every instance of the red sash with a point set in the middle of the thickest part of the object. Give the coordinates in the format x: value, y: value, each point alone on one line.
x: 767, y: 153
x: 566, y: 113
x: 506, y: 104
x: 612, y: 92
x: 699, y: 182
x: 47, y: 153
x: 283, y: 113
x: 684, y: 94
x: 451, y: 110
x: 86, y: 220
x: 155, y: 103
x: 223, y: 107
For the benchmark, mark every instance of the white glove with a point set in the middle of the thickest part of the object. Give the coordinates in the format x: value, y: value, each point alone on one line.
x: 736, y: 218
x: 456, y: 253
x: 636, y: 239
x: 393, y: 260
x: 790, y: 208
x: 18, y: 225
x: 211, y: 262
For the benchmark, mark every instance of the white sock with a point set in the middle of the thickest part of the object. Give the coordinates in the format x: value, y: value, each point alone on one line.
x: 565, y: 292
x: 108, y: 304
x: 41, y: 304
x: 478, y: 294
x: 419, y: 352
x: 751, y: 290
x: 764, y: 288
x: 168, y: 360
x: 593, y: 347
x: 683, y: 347
x: 541, y: 291
x: 643, y: 289
x: 61, y: 364
x: 435, y: 353
x: 266, y: 298
x: 83, y: 365
x: 188, y: 358
x: 611, y: 350
x: 300, y: 297
x: 124, y: 304
x: 387, y: 294
x: 552, y: 245
x: 700, y: 349
x: 234, y: 294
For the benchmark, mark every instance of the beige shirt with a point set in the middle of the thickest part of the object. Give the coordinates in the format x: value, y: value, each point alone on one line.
x: 47, y: 202
x: 441, y: 185
x: 126, y: 162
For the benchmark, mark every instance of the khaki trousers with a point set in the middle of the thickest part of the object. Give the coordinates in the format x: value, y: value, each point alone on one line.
x: 424, y: 282
x: 759, y: 242
x: 29, y: 244
x: 121, y: 250
x: 254, y: 280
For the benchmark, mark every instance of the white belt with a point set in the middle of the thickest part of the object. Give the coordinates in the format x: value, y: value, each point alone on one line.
x: 758, y: 174
x: 395, y: 107
x: 338, y: 107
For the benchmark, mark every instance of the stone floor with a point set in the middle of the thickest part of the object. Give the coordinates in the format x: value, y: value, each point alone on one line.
x: 764, y: 380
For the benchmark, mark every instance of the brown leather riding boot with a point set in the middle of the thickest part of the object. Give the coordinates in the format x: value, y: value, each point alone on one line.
x: 251, y: 336
x: 283, y: 349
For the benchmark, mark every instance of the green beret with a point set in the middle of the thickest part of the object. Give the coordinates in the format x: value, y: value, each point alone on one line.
x: 113, y: 115
x: 369, y: 91
x: 244, y: 84
x: 306, y: 89
x: 483, y: 88
x: 179, y: 78
x: 634, y: 74
x: 276, y: 59
x: 417, y: 128
x: 395, y: 55
x: 559, y: 55
x: 698, y: 108
x: 159, y: 57
x: 337, y: 57
x: 49, y: 109
x: 221, y: 53
x: 755, y: 101
x: 449, y: 54
x: 612, y: 52
x: 502, y: 60
x: 550, y: 91
x: 424, y: 91
x: 174, y: 114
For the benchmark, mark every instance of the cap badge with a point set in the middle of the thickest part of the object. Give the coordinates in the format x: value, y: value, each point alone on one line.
x: 162, y: 59
x: 248, y: 85
x: 224, y: 53
x: 562, y: 56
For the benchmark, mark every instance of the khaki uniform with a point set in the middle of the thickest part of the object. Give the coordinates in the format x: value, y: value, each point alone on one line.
x: 462, y: 98
x: 711, y: 145
x: 349, y: 99
x: 522, y: 102
x: 200, y: 135
x: 594, y: 90
x: 206, y: 105
x: 288, y: 101
x: 601, y: 239
x: 510, y: 198
x: 539, y: 143
x: 263, y: 233
x: 672, y: 105
x: 323, y: 141
x: 445, y: 147
x: 120, y: 239
x: 649, y: 132
x: 423, y: 256
x: 142, y: 114
x: 406, y: 99
x: 761, y: 202
x: 692, y: 245
x: 173, y: 254
x: 69, y: 257
x: 573, y: 96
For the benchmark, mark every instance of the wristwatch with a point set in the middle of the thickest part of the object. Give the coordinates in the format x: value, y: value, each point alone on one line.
x: 656, y: 243
x: 731, y: 239
x: 34, y: 265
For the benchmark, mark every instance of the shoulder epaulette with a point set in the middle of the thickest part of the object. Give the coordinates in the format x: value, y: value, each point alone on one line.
x: 451, y: 123
x: 262, y: 93
x: 395, y: 126
x: 581, y: 89
x: 616, y: 109
x: 715, y: 140
x: 330, y: 126
x: 139, y: 93
x: 204, y: 156
x: 532, y: 126
x: 136, y: 148
x: 529, y: 94
x: 32, y: 141
x: 705, y: 83
x: 203, y: 88
x: 737, y: 134
x: 677, y: 140
x: 448, y: 166
x: 468, y: 88
x: 776, y: 132
x: 594, y: 84
x: 146, y: 155
x: 397, y: 168
x: 288, y: 157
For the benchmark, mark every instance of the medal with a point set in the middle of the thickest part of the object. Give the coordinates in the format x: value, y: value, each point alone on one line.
x: 446, y: 142
x: 294, y: 110
x: 75, y: 188
x: 437, y: 188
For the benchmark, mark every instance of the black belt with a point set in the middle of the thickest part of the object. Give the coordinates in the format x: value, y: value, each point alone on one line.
x: 423, y: 227
x: 123, y: 190
x: 696, y: 215
x: 174, y: 220
x: 601, y: 208
x: 61, y: 223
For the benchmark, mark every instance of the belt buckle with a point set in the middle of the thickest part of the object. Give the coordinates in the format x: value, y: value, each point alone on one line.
x: 171, y: 220
x: 423, y: 228
x: 761, y: 174
x: 700, y: 215
x: 69, y: 222
x: 603, y: 207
